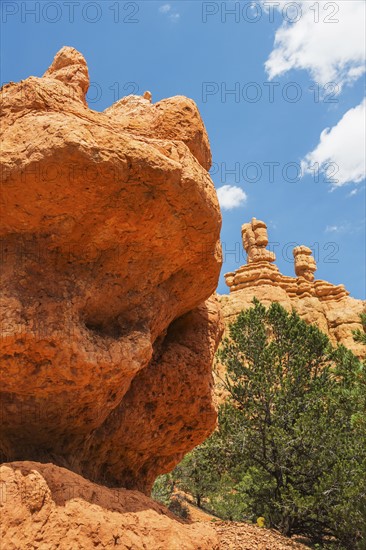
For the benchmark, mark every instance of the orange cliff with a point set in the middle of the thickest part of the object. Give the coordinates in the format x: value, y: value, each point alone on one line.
x: 327, y: 305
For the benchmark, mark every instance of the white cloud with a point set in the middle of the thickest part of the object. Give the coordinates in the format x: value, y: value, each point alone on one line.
x: 272, y: 224
x: 344, y: 146
x: 165, y: 8
x: 334, y: 229
x: 231, y: 197
x: 172, y: 14
x: 328, y: 43
x: 347, y: 227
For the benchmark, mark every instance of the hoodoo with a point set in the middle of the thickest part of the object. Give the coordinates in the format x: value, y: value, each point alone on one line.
x: 317, y: 301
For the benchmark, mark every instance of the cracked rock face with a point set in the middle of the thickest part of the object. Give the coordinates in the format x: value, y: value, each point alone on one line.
x: 110, y: 253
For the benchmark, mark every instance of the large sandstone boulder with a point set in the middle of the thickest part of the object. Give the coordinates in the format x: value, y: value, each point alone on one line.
x: 110, y: 246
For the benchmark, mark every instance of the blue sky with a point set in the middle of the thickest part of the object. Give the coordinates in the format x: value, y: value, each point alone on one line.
x: 288, y: 141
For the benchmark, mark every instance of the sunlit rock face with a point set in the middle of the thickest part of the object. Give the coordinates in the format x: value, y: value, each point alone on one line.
x: 327, y: 305
x: 110, y: 255
x: 46, y: 506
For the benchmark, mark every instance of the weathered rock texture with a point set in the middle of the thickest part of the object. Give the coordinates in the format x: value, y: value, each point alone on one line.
x: 47, y: 507
x: 316, y: 301
x: 43, y: 506
x: 110, y: 245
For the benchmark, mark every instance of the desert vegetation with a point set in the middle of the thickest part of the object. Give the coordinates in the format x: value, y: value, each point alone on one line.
x: 290, y: 448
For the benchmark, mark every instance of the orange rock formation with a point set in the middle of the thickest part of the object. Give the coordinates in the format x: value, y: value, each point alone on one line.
x: 317, y: 301
x: 110, y: 244
x: 45, y: 506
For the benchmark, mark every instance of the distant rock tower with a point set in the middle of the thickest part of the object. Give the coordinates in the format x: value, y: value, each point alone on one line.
x: 260, y: 268
x: 305, y: 264
x: 328, y: 305
x: 255, y: 241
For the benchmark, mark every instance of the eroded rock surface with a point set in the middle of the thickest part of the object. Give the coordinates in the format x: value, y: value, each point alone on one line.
x: 110, y: 246
x: 45, y: 506
x: 320, y: 302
